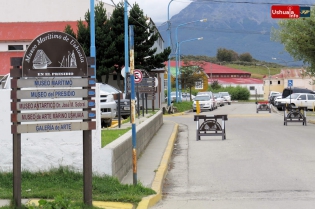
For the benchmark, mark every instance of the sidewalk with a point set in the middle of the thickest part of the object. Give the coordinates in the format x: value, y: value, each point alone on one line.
x: 151, y: 166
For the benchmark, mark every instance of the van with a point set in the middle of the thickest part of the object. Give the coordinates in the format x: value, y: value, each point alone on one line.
x: 287, y: 91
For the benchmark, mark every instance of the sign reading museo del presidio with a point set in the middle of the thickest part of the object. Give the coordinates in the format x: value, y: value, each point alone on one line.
x: 54, y: 54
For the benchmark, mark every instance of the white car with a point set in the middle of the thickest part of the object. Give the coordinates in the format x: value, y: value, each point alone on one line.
x: 227, y: 97
x: 107, y: 104
x: 186, y: 96
x: 295, y: 100
x: 219, y: 99
x: 215, y: 105
x: 205, y: 103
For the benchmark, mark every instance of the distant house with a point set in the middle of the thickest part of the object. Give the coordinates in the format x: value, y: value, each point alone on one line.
x: 227, y: 76
x: 280, y: 81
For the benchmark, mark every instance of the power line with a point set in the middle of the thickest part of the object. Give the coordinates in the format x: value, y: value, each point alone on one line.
x: 245, y: 2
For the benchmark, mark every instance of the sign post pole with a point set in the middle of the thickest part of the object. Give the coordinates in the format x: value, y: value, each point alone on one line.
x: 16, y: 148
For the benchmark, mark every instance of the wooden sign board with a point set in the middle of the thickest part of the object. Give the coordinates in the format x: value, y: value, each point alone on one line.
x: 52, y: 93
x: 52, y: 82
x: 50, y: 105
x: 53, y: 127
x: 52, y: 116
x: 54, y: 54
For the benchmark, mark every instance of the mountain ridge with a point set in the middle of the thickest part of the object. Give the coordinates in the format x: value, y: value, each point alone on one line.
x: 242, y: 27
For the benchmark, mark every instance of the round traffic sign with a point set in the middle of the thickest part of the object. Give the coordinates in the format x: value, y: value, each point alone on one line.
x: 138, y: 76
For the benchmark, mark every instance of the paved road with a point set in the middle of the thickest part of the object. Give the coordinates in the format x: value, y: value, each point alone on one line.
x: 262, y: 164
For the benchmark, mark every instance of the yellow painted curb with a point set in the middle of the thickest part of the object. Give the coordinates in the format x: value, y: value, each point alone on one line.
x: 157, y: 184
x: 112, y: 205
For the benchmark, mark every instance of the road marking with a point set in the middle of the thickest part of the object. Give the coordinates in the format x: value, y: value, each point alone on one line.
x: 229, y: 115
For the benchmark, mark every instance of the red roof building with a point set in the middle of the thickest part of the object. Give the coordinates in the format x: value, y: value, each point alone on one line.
x: 225, y: 75
x: 21, y: 34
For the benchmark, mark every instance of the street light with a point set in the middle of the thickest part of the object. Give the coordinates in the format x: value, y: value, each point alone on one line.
x: 194, y: 39
x: 168, y: 63
x: 269, y: 75
x: 176, y: 52
x: 274, y: 58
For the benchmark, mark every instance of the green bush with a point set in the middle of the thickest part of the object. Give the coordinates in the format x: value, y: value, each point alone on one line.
x: 237, y: 93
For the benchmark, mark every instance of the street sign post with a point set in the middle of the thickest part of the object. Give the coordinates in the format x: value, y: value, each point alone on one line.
x: 290, y: 83
x: 53, y: 66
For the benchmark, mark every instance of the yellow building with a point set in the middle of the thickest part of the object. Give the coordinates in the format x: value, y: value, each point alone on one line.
x: 280, y: 81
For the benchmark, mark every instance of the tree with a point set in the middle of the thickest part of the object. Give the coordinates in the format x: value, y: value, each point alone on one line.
x: 105, y: 47
x: 110, y: 43
x: 191, y: 73
x: 145, y: 35
x: 215, y: 85
x: 298, y: 38
x: 226, y: 55
x: 246, y: 57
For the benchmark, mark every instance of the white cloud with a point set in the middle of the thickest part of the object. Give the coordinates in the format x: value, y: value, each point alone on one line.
x: 158, y: 9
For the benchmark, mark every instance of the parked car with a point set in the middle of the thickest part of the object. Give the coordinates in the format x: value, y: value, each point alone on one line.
x: 215, y: 105
x: 287, y: 91
x: 273, y: 97
x: 271, y: 93
x: 227, y: 97
x: 205, y: 102
x: 107, y: 104
x: 219, y: 99
x: 296, y: 99
x: 186, y: 96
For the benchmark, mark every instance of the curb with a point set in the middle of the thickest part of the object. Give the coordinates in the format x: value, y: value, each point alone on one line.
x: 157, y: 184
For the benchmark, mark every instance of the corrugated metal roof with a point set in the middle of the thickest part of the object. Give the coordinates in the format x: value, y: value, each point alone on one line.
x: 237, y: 81
x: 289, y: 73
x: 27, y: 31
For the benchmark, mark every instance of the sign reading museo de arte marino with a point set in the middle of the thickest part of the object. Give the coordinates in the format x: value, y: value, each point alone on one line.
x: 54, y: 54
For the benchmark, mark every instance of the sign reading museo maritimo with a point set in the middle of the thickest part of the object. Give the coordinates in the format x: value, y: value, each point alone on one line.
x: 54, y: 54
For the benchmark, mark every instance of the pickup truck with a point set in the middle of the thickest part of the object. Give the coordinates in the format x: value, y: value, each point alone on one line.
x: 296, y: 99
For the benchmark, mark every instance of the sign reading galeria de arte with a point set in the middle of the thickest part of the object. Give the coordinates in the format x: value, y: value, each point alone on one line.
x: 54, y: 54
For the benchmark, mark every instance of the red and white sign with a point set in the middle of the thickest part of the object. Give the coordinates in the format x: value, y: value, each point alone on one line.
x: 138, y: 76
x: 285, y: 11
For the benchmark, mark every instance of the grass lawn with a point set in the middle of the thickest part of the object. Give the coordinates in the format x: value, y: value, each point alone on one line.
x: 109, y: 135
x: 68, y: 184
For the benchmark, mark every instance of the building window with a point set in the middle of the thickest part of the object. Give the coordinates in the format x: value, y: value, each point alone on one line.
x: 15, y: 47
x: 252, y: 88
x: 278, y: 82
x: 270, y: 82
x: 165, y: 84
x: 199, y: 84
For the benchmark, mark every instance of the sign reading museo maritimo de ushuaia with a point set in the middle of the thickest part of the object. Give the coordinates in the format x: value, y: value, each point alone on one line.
x: 54, y: 54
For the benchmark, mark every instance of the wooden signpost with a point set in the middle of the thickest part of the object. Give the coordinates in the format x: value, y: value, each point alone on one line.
x: 45, y: 91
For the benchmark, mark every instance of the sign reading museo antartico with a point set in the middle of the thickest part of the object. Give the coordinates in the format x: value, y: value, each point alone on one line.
x: 54, y: 54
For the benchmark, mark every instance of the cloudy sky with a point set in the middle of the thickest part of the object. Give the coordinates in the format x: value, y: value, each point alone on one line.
x: 157, y: 9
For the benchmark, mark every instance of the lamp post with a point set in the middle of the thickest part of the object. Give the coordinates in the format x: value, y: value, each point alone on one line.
x: 274, y: 58
x: 168, y: 63
x: 179, y: 44
x: 176, y: 52
x: 268, y: 73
